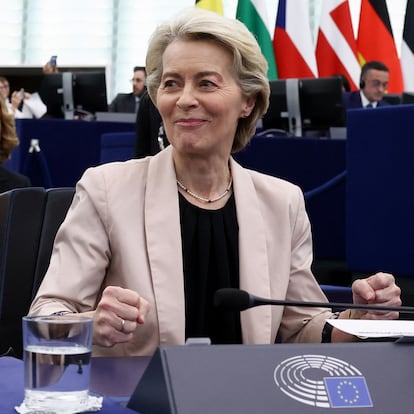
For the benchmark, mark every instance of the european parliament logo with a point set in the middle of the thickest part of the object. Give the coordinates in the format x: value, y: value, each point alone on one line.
x: 322, y: 381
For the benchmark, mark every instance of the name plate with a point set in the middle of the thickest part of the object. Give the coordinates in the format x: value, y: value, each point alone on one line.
x: 284, y: 378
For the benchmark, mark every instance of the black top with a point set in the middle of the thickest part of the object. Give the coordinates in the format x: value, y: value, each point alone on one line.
x: 211, y: 262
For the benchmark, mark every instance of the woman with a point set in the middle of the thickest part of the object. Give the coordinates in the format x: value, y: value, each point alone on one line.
x: 8, y: 141
x: 146, y: 243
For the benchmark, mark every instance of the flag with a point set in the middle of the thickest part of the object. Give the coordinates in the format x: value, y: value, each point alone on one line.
x: 253, y: 13
x: 345, y: 392
x: 336, y: 51
x: 407, y: 48
x: 213, y: 5
x: 292, y: 41
x: 376, y: 42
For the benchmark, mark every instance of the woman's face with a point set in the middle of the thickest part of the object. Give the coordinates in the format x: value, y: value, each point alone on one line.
x: 199, y: 99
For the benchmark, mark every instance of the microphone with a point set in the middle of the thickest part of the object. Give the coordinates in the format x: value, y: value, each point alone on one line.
x: 239, y: 300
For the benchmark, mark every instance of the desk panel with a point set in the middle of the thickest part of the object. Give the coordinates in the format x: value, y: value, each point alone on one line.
x: 68, y: 147
x: 309, y: 163
x: 380, y: 202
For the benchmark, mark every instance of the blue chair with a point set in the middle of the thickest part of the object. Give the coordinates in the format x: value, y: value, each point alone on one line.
x: 338, y: 294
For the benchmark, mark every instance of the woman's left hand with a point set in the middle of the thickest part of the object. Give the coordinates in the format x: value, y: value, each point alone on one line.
x: 378, y: 289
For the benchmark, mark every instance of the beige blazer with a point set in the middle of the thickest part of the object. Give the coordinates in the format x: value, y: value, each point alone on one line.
x: 123, y: 229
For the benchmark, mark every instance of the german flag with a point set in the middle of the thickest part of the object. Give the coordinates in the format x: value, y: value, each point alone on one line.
x: 407, y: 48
x: 213, y: 5
x: 376, y: 42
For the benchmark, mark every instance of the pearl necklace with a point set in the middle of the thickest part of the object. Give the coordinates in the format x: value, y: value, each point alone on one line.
x: 203, y: 199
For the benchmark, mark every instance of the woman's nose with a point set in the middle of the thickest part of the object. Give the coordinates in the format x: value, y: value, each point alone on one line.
x: 187, y: 98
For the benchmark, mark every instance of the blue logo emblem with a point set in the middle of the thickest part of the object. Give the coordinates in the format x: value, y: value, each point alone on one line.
x: 322, y: 381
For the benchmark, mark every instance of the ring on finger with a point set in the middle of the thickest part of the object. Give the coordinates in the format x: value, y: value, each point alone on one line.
x: 122, y: 325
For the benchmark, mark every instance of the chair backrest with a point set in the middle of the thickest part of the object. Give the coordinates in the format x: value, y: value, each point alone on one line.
x: 338, y: 294
x: 29, y: 220
x: 21, y: 218
x: 58, y: 201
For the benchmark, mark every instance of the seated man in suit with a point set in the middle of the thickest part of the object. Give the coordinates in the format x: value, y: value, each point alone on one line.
x: 129, y: 102
x: 373, y: 86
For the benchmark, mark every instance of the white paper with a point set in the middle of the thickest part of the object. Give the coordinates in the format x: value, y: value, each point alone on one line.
x: 35, y: 105
x: 374, y: 328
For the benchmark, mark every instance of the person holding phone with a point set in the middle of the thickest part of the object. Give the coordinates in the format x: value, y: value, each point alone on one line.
x: 51, y: 65
x: 14, y: 100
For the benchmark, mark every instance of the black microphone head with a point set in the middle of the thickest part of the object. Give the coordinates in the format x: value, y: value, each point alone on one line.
x: 232, y: 299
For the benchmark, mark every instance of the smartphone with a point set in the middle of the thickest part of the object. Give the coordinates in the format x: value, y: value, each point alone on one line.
x: 53, y: 61
x: 21, y: 93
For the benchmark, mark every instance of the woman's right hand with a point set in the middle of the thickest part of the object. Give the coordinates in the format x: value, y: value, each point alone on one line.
x: 117, y: 315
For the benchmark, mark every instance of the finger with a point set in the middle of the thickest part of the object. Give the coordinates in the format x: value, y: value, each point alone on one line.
x: 126, y: 304
x: 381, y: 280
x: 127, y: 326
x: 127, y: 296
x: 122, y: 329
x: 382, y: 315
x: 362, y: 291
x: 143, y: 308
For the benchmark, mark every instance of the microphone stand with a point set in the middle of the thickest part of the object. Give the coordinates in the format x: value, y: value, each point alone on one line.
x: 257, y: 301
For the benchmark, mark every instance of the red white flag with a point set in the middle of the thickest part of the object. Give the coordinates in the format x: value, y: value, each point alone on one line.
x: 336, y: 51
x: 376, y: 42
x: 292, y: 41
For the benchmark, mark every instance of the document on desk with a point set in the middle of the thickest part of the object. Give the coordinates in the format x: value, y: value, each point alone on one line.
x: 376, y: 328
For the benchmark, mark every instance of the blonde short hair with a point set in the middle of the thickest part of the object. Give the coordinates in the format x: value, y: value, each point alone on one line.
x: 249, y: 64
x: 8, y: 137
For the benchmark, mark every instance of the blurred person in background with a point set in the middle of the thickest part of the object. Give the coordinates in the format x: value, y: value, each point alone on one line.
x: 8, y: 141
x: 129, y: 102
x: 373, y: 85
x: 13, y: 101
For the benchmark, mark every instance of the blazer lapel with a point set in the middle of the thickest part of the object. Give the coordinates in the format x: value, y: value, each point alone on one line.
x: 162, y: 224
x: 253, y: 256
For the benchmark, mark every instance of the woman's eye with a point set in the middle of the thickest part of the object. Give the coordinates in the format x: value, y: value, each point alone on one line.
x: 207, y: 84
x: 169, y: 83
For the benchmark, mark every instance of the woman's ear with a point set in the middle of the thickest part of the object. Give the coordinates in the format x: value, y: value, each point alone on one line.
x: 248, y: 107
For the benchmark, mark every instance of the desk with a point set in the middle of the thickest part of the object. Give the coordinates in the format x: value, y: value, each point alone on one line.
x: 111, y: 377
x: 69, y: 147
x: 380, y: 192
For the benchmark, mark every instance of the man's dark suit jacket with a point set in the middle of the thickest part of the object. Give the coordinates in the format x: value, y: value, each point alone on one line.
x: 147, y: 127
x: 352, y: 100
x: 123, y: 102
x: 10, y: 180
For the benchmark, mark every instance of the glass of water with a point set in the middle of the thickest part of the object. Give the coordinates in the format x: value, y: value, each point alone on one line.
x: 57, y: 361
